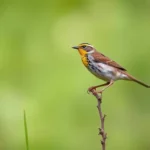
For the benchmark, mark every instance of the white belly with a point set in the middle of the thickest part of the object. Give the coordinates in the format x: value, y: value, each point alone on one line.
x: 105, y: 72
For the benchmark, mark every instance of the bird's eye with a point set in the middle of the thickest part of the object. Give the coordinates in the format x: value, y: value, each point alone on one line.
x: 83, y: 46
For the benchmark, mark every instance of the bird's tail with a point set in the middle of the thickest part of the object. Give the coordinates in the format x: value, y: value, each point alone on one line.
x: 137, y: 81
x: 141, y: 83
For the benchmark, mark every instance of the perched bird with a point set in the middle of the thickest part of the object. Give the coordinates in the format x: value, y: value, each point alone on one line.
x: 103, y: 67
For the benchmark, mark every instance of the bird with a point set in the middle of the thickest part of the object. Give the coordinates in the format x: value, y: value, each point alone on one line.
x: 103, y: 67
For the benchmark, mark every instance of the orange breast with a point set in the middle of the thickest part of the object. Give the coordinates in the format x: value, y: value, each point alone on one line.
x: 85, y: 61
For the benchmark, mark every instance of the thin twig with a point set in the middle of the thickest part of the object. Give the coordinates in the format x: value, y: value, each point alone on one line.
x: 102, y: 119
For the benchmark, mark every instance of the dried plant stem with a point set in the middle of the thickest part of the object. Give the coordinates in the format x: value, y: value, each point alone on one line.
x: 102, y: 119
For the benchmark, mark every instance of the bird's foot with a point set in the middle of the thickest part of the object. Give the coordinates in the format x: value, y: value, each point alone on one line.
x: 91, y: 90
x: 100, y: 92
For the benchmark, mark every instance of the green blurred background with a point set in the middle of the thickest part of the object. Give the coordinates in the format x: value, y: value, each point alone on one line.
x: 41, y: 73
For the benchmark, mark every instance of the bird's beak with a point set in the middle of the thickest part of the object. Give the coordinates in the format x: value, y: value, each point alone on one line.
x: 75, y: 47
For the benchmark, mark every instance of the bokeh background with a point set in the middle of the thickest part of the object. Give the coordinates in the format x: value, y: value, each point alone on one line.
x: 41, y: 73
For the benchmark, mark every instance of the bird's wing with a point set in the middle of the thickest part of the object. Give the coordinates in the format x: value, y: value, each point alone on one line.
x: 100, y: 58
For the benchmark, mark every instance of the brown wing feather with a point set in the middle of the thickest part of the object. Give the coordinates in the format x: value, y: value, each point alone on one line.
x: 103, y: 59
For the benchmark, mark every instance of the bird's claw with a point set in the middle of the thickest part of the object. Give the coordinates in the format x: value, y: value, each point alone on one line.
x: 91, y: 90
x: 100, y: 92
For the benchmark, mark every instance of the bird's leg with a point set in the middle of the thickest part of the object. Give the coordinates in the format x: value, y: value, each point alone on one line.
x: 108, y: 85
x: 94, y: 87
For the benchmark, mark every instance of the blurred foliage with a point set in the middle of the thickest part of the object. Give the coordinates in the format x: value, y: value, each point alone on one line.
x: 39, y: 72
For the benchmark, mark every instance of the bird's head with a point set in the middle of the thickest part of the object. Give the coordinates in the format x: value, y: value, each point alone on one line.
x: 84, y: 48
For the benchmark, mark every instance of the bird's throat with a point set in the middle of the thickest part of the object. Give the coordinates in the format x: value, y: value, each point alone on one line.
x: 82, y: 52
x: 84, y: 58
